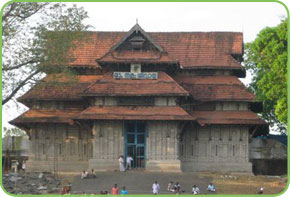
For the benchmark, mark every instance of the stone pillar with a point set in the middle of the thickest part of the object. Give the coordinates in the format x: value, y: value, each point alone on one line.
x: 108, y: 144
x: 162, y: 146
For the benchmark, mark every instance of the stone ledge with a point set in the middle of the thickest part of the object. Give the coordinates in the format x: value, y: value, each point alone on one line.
x: 163, y: 166
x: 245, y: 167
x: 104, y: 165
x: 50, y: 166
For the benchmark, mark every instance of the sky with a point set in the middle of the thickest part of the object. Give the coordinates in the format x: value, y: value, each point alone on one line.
x: 249, y: 18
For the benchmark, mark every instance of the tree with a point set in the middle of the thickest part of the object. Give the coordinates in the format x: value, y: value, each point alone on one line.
x: 266, y: 59
x: 13, y: 132
x: 36, y: 39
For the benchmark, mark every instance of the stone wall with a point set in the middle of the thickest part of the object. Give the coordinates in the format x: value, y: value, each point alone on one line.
x: 59, y: 147
x: 269, y: 156
x: 215, y: 148
x: 162, y: 146
x: 108, y: 145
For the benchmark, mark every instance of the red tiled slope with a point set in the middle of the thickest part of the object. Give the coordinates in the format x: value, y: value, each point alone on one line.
x: 227, y: 117
x: 109, y: 86
x: 137, y: 56
x: 49, y: 116
x: 215, y: 88
x: 60, y: 87
x: 134, y: 113
x: 191, y: 49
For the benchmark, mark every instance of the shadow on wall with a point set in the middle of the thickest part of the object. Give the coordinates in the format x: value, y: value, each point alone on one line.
x: 268, y: 156
x: 269, y: 166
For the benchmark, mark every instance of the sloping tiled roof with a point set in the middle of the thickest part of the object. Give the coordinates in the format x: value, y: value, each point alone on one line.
x: 215, y: 88
x: 108, y: 86
x: 227, y: 117
x: 190, y: 49
x: 137, y: 57
x: 46, y: 116
x: 59, y: 88
x: 134, y: 113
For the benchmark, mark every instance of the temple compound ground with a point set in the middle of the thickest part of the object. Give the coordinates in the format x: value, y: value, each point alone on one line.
x: 137, y: 182
x: 140, y: 182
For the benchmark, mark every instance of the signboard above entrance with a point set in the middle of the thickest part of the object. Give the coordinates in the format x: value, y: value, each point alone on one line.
x: 131, y: 75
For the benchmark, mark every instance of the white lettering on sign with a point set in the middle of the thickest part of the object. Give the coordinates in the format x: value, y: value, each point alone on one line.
x: 131, y: 75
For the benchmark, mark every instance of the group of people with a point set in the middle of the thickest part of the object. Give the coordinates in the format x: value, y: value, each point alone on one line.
x: 128, y: 165
x: 175, y: 188
x: 85, y: 174
x: 210, y: 188
x: 115, y: 190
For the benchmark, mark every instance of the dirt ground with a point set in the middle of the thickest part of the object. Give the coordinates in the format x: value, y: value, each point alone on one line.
x: 225, y: 183
x: 247, y: 184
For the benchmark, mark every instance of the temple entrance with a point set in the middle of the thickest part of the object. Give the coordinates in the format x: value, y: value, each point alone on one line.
x: 135, y: 140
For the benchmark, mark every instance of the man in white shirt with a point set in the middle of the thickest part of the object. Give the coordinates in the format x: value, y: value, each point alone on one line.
x: 128, y: 162
x: 155, y: 187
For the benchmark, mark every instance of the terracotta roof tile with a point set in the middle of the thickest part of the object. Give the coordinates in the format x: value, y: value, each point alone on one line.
x: 191, y: 49
x: 46, y: 116
x: 227, y: 117
x: 216, y: 88
x: 59, y: 88
x: 109, y: 86
x: 134, y: 113
x: 137, y: 56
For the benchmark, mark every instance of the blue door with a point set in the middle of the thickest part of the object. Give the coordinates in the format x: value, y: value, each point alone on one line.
x: 135, y: 140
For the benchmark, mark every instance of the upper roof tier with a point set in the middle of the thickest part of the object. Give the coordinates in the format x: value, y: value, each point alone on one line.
x: 164, y: 85
x: 187, y: 49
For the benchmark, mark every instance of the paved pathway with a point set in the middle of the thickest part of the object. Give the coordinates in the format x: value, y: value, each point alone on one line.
x: 138, y: 182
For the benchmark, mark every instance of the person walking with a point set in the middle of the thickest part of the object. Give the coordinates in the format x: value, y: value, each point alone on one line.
x: 155, y: 188
x: 129, y: 162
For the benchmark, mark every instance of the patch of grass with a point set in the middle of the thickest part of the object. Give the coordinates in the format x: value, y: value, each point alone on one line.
x: 246, y: 184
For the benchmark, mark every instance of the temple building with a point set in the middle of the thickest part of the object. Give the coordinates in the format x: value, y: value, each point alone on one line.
x: 171, y: 100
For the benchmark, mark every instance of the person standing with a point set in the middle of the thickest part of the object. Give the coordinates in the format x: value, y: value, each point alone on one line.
x: 121, y: 163
x: 129, y: 162
x: 23, y: 165
x: 115, y: 190
x: 155, y: 187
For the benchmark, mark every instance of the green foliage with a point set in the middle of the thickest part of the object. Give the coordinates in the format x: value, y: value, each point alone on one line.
x: 37, y: 38
x: 13, y: 132
x: 266, y: 59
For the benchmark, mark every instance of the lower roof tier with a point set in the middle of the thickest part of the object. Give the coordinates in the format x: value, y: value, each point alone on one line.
x: 138, y: 113
x: 46, y: 116
x: 134, y: 113
x: 227, y: 117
